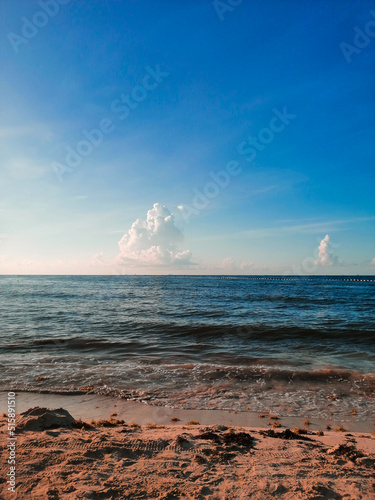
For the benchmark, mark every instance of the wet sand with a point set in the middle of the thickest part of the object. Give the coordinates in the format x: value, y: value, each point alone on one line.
x: 88, y: 406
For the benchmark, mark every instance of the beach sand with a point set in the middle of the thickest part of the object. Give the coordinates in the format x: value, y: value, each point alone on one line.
x: 58, y: 457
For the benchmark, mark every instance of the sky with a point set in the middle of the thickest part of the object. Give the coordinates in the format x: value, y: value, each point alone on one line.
x: 190, y: 137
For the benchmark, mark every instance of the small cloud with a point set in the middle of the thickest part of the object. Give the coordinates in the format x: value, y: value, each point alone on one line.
x: 33, y: 131
x: 97, y: 259
x: 326, y: 257
x: 232, y: 266
x: 373, y: 262
x: 24, y: 169
x: 154, y: 241
x: 264, y: 190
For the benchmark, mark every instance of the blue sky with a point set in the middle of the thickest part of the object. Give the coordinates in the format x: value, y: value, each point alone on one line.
x: 218, y: 78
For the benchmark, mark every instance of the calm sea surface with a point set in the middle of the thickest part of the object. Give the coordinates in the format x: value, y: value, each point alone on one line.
x: 206, y: 342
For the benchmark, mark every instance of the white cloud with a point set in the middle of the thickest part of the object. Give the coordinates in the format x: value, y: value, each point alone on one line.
x: 97, y: 259
x: 42, y: 132
x: 264, y: 190
x: 232, y: 266
x: 22, y: 168
x: 154, y: 241
x: 373, y: 262
x: 326, y: 257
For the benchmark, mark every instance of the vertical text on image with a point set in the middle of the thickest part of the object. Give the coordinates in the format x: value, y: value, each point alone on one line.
x: 11, y: 446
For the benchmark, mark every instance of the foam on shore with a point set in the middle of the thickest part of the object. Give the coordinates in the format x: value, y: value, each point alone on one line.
x: 94, y: 406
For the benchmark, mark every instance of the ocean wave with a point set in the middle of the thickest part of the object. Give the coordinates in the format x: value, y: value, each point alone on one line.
x: 122, y: 336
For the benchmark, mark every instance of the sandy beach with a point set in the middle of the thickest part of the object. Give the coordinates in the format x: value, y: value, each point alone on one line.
x: 99, y: 449
x: 187, y: 250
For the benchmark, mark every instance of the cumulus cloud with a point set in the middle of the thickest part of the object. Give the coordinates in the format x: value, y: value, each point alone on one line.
x: 97, y: 259
x: 326, y: 257
x: 232, y: 266
x: 154, y: 241
x: 373, y: 262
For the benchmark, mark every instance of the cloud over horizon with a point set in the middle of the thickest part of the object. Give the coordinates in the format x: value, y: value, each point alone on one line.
x: 154, y: 241
x: 233, y: 266
x: 326, y: 257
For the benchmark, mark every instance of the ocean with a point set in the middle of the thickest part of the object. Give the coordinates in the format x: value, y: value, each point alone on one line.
x: 290, y: 344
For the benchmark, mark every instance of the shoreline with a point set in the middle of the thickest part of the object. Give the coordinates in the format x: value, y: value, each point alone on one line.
x: 93, y: 406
